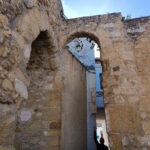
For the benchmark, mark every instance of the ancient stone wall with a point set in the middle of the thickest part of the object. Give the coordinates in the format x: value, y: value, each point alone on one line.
x: 38, y: 123
x: 20, y: 24
x: 38, y: 84
x: 138, y: 30
x: 124, y: 55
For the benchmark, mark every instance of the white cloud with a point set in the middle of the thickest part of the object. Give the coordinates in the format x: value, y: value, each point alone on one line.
x: 68, y: 11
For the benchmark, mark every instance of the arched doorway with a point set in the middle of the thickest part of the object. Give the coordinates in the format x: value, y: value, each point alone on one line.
x: 80, y: 112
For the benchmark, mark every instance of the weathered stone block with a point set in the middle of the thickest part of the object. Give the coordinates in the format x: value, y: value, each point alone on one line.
x: 25, y: 115
x: 1, y: 37
x: 51, y: 114
x: 54, y: 62
x: 145, y: 103
x: 7, y: 85
x: 53, y: 141
x: 21, y: 88
x: 123, y: 119
x: 3, y: 21
x: 1, y: 51
x: 19, y: 75
x: 30, y: 3
x: 54, y: 100
x: 54, y: 132
x: 116, y: 143
x: 55, y: 125
x: 146, y: 127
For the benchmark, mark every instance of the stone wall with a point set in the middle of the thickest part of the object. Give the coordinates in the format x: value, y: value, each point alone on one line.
x: 124, y: 56
x: 29, y: 92
x: 38, y: 124
x: 20, y: 24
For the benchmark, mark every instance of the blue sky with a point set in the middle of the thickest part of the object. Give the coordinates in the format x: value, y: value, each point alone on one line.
x: 79, y: 8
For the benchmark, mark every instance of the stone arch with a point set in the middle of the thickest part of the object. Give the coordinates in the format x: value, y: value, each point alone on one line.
x: 90, y: 35
x: 64, y: 143
x: 26, y: 28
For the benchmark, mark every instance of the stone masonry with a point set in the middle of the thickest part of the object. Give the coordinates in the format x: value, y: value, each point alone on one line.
x: 43, y: 87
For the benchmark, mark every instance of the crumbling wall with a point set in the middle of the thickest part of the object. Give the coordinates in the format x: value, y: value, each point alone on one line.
x: 38, y: 120
x: 125, y: 74
x: 139, y: 33
x: 20, y: 24
x: 125, y: 60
